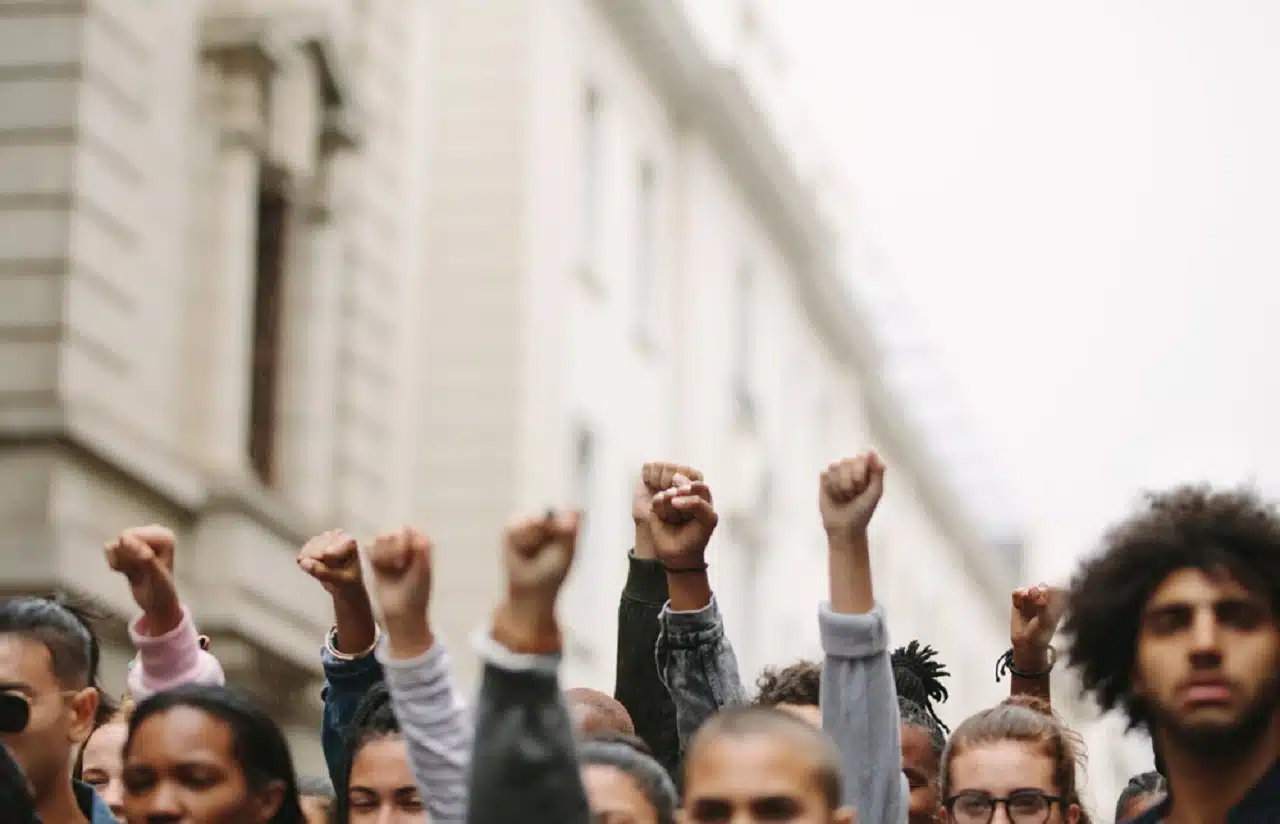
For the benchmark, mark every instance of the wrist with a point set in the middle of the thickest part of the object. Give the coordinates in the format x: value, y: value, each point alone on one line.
x: 1031, y: 658
x: 689, y: 591
x: 527, y: 628
x: 644, y: 543
x: 162, y: 618
x: 352, y: 596
x: 409, y: 640
x: 849, y: 539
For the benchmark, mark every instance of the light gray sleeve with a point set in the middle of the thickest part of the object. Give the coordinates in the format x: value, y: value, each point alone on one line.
x: 436, y: 729
x: 860, y: 713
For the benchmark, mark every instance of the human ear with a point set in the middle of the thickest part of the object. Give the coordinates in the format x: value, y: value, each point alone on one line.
x: 267, y: 802
x: 84, y: 710
x: 845, y: 815
x: 1073, y: 814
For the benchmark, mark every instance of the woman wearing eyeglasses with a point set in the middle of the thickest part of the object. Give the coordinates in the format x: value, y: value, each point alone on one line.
x: 1016, y: 758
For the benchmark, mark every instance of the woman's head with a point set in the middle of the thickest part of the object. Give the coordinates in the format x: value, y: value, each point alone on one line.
x: 1016, y: 754
x: 1143, y: 792
x: 918, y: 678
x: 378, y: 780
x: 208, y: 754
x: 623, y: 781
x: 101, y: 762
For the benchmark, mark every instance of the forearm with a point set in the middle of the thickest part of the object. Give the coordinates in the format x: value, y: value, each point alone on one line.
x: 698, y: 666
x: 435, y: 726
x: 638, y: 685
x: 357, y: 628
x: 1031, y: 661
x: 849, y: 574
x: 523, y: 766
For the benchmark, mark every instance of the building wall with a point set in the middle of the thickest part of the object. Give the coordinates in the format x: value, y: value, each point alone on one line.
x: 460, y: 334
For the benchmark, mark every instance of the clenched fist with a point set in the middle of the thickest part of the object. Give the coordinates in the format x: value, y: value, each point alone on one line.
x: 655, y: 477
x: 333, y: 559
x: 681, y: 520
x: 848, y: 494
x: 539, y: 553
x: 1035, y: 616
x: 144, y: 556
x: 401, y: 566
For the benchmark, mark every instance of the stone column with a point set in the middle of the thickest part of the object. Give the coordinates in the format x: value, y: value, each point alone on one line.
x: 223, y: 314
x: 309, y: 387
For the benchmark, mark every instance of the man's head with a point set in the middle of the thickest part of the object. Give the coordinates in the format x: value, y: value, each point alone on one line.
x: 762, y: 764
x: 48, y: 657
x: 794, y: 690
x: 1174, y: 622
x: 594, y: 712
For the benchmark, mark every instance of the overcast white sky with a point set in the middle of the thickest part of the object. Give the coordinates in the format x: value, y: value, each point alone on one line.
x: 1083, y: 200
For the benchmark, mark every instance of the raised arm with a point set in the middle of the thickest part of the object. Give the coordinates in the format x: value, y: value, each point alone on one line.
x: 350, y: 669
x: 169, y: 652
x: 431, y: 714
x: 1033, y: 622
x: 694, y: 656
x: 524, y: 767
x: 639, y: 686
x: 859, y: 700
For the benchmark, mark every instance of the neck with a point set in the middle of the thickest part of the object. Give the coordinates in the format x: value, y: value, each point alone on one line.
x: 1205, y: 790
x: 57, y: 804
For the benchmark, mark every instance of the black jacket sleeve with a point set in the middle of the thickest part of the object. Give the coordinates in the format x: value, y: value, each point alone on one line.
x: 639, y: 687
x: 523, y: 766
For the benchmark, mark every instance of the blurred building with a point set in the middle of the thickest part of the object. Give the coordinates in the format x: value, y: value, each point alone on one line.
x: 271, y: 267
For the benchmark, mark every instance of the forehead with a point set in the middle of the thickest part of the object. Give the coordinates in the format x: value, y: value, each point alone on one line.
x: 382, y: 763
x: 1197, y: 586
x: 752, y: 765
x: 181, y: 733
x: 25, y: 662
x: 1001, y: 767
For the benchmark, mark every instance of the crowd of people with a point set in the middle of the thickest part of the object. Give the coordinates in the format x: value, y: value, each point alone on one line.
x: 1172, y: 623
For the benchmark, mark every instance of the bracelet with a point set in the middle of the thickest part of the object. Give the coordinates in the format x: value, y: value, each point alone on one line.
x: 1005, y: 665
x: 682, y: 570
x: 331, y: 644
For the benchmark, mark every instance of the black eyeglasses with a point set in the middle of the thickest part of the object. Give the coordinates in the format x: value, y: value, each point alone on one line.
x: 15, y: 713
x: 1022, y: 807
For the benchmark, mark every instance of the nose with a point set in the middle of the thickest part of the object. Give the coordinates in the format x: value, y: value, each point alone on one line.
x: 1205, y: 637
x: 164, y: 804
x: 113, y: 795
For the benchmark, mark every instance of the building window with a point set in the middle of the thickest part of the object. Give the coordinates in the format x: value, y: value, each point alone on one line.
x: 743, y: 343
x: 585, y: 480
x: 268, y: 305
x: 644, y: 277
x: 592, y: 179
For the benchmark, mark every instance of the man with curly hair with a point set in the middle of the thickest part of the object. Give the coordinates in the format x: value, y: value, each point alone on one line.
x: 1175, y: 624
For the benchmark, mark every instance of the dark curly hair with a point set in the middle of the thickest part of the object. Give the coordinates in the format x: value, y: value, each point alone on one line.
x: 797, y: 685
x: 1188, y: 527
x: 917, y: 675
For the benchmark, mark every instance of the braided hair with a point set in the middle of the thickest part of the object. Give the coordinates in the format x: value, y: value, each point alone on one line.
x: 917, y: 675
x: 372, y: 720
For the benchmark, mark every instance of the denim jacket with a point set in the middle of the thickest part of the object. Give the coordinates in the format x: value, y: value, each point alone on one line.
x: 345, y: 684
x: 859, y: 699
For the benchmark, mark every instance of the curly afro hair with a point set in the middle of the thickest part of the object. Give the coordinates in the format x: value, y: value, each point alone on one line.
x: 1189, y: 527
x: 797, y: 685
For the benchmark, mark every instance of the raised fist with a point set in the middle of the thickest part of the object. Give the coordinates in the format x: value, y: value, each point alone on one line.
x: 144, y: 556
x: 333, y: 559
x: 539, y: 553
x: 658, y: 477
x: 401, y: 566
x: 1035, y: 616
x: 682, y: 520
x: 848, y: 494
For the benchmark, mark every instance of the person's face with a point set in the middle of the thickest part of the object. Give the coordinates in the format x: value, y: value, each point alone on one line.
x: 381, y: 788
x: 1139, y: 804
x: 60, y: 719
x: 1207, y: 659
x: 614, y: 798
x: 755, y: 778
x: 315, y: 809
x: 102, y: 766
x: 1005, y: 769
x: 807, y: 713
x: 920, y: 766
x: 180, y: 768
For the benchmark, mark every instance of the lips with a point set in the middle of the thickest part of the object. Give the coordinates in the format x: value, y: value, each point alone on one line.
x: 1207, y: 691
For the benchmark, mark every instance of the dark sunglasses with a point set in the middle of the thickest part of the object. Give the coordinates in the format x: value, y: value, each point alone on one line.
x: 15, y: 712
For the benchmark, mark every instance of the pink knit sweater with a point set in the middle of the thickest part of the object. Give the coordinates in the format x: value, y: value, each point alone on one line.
x: 170, y: 660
